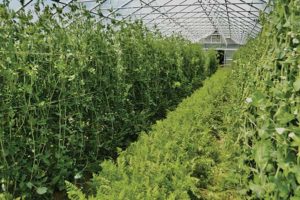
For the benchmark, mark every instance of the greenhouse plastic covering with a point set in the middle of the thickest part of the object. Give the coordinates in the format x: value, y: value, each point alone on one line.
x: 193, y: 19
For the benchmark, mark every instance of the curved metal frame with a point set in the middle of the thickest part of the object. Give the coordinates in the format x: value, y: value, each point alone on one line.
x: 193, y: 19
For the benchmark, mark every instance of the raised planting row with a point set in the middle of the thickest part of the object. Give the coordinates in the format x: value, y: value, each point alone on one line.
x: 185, y: 156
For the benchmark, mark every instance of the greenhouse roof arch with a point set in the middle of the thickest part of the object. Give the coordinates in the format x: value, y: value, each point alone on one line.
x: 193, y: 19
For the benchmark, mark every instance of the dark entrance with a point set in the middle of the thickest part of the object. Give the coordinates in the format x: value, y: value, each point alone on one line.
x: 221, y: 57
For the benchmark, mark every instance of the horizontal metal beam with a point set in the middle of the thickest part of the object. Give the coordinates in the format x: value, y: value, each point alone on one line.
x: 181, y: 5
x: 193, y: 17
x: 185, y: 12
x: 186, y: 20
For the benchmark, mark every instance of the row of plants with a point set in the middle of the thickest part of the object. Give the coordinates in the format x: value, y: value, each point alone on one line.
x: 267, y: 69
x: 236, y: 138
x: 72, y: 93
x: 184, y: 156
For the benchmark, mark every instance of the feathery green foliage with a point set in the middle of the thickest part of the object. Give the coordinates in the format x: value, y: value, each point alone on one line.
x: 178, y: 159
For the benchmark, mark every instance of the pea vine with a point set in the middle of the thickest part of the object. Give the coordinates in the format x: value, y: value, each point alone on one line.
x: 73, y: 91
x: 269, y: 67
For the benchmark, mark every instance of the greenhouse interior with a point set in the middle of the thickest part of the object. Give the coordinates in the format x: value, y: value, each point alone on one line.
x: 150, y: 99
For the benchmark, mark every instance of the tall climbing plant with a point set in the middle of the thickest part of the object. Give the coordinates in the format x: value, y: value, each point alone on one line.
x: 73, y: 90
x: 269, y: 69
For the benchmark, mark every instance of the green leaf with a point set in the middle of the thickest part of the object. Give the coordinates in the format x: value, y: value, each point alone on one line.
x: 285, y: 117
x: 258, y: 98
x: 297, y: 85
x: 29, y: 185
x: 296, y: 171
x: 262, y: 150
x: 41, y: 190
x: 257, y: 189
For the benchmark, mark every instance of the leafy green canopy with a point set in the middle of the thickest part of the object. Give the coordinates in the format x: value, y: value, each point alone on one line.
x: 71, y: 93
x: 268, y: 70
x: 183, y: 157
x: 265, y: 124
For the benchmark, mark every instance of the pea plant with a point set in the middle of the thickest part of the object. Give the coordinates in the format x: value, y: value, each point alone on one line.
x: 73, y: 91
x: 269, y: 70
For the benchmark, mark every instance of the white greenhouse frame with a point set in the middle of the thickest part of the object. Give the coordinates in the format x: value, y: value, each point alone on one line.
x: 193, y: 19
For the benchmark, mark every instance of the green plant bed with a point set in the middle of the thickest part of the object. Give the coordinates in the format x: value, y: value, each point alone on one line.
x: 184, y: 156
x: 238, y: 137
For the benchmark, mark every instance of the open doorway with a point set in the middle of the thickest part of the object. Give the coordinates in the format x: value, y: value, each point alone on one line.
x: 221, y: 57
